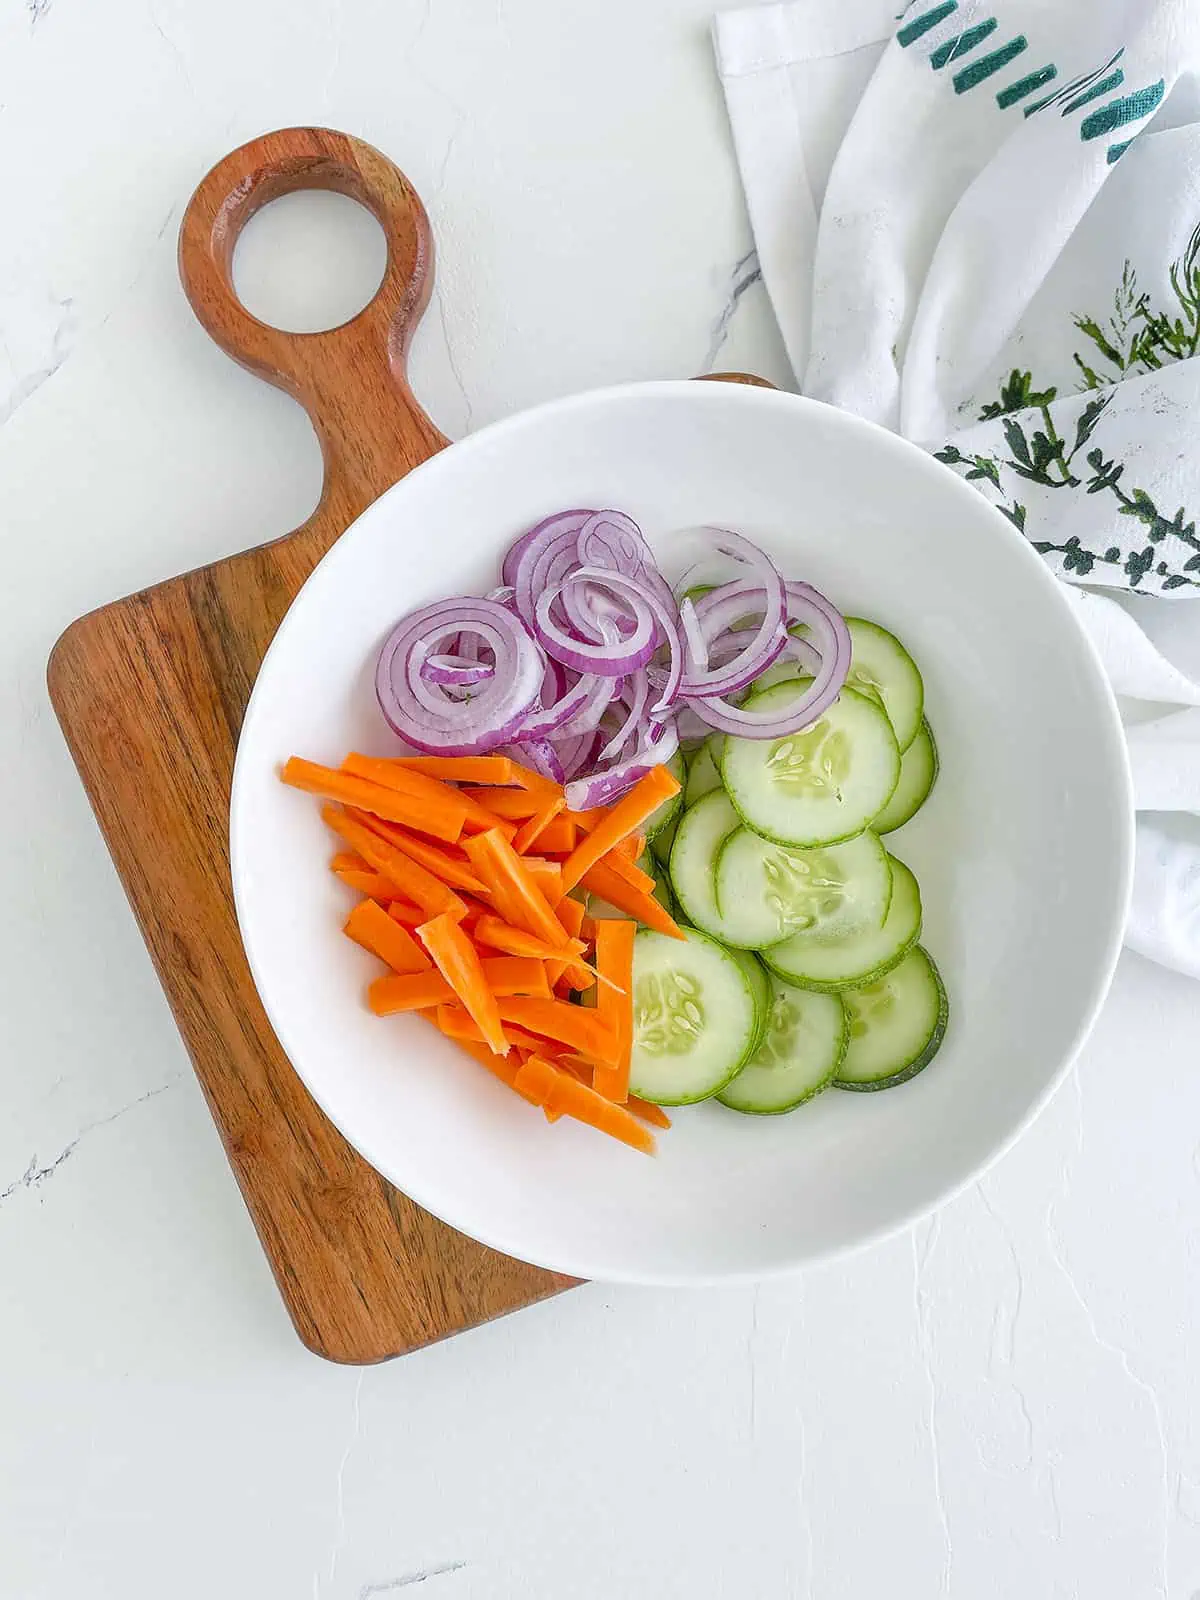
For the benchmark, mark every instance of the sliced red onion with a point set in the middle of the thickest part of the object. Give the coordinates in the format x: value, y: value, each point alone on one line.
x: 449, y: 726
x: 611, y: 539
x: 455, y: 672
x: 528, y: 549
x: 604, y: 656
x: 717, y: 611
x: 809, y: 607
x: 602, y: 788
x: 578, y: 711
x: 632, y: 700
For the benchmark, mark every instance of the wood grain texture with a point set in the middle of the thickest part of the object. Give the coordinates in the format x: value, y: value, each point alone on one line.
x: 151, y: 692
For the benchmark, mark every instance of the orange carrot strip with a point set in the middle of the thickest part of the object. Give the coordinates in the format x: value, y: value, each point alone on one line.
x: 417, y: 991
x: 557, y: 1019
x: 457, y: 1023
x: 562, y: 1092
x: 547, y: 875
x: 631, y: 847
x: 373, y: 884
x: 499, y: 1066
x: 347, y: 861
x: 454, y: 870
x: 413, y: 880
x: 405, y: 914
x: 514, y: 805
x: 629, y: 872
x: 603, y: 881
x: 614, y: 1003
x: 393, y: 776
x: 585, y: 821
x: 458, y: 962
x: 464, y: 769
x: 442, y: 821
x: 519, y: 942
x: 370, y: 926
x: 648, y: 1112
x: 513, y: 891
x: 570, y: 913
x: 516, y: 975
x: 536, y: 826
x: 557, y: 838
x: 642, y: 800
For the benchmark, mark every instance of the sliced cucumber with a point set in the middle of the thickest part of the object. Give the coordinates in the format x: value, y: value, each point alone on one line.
x: 703, y: 774
x: 660, y: 845
x: 859, y: 957
x: 658, y: 820
x: 696, y: 1017
x: 767, y: 892
x: 759, y: 980
x: 897, y: 1025
x: 882, y: 669
x: 821, y: 785
x: 662, y: 884
x: 703, y: 829
x: 918, y: 771
x: 799, y: 1056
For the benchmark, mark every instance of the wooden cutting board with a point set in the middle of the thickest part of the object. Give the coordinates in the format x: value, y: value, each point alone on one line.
x: 151, y: 691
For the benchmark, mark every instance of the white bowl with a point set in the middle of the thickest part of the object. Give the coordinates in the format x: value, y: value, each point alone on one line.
x: 1023, y: 851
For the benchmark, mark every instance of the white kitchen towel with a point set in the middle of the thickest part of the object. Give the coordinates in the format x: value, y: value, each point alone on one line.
x: 979, y: 225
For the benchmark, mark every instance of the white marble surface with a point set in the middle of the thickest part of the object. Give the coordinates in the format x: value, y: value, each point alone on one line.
x: 1003, y: 1403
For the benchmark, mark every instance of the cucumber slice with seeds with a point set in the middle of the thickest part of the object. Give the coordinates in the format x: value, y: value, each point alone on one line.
x: 693, y: 868
x: 759, y: 980
x: 804, y: 1043
x: 766, y: 892
x: 696, y: 1018
x: 918, y: 773
x: 882, y: 669
x: 859, y: 957
x: 821, y: 785
x: 897, y: 1025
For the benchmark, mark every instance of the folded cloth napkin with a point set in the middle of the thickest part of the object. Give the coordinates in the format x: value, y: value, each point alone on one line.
x: 979, y: 225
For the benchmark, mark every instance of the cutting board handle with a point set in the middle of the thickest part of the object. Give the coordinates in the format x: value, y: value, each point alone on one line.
x: 351, y: 379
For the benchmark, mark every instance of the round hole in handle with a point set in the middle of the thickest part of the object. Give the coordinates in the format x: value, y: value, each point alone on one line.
x: 309, y: 261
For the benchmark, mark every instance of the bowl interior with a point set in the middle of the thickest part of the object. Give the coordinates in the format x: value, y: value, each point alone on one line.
x: 1022, y: 852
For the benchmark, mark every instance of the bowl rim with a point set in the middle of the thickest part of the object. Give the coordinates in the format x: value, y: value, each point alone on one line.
x: 874, y: 437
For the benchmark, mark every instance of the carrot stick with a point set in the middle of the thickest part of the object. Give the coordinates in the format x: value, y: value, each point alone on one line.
x: 455, y: 871
x: 457, y: 1023
x: 648, y: 1112
x: 373, y: 884
x: 413, y: 880
x: 408, y: 916
x: 585, y: 821
x: 458, y: 962
x: 370, y: 926
x: 547, y: 875
x: 391, y: 775
x: 516, y: 975
x: 441, y: 821
x: 512, y: 890
x: 629, y: 872
x: 499, y: 1066
x: 557, y: 838
x: 571, y: 914
x: 514, y: 805
x: 644, y: 908
x: 631, y: 847
x: 500, y: 935
x: 642, y: 800
x: 614, y: 1003
x: 464, y: 769
x: 413, y: 991
x: 565, y: 1094
x: 347, y: 861
x: 536, y: 826
x: 557, y: 1019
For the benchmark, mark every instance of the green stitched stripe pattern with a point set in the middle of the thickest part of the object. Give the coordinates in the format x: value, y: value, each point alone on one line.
x: 962, y: 45
x: 1119, y: 112
x: 1113, y: 81
x: 912, y: 31
x: 1026, y: 85
x: 994, y: 61
x: 1116, y: 151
